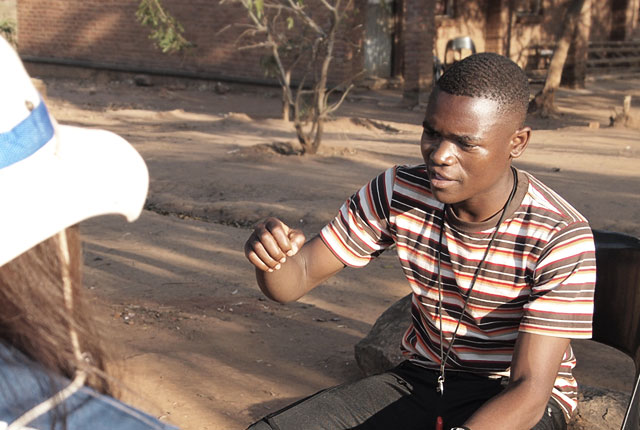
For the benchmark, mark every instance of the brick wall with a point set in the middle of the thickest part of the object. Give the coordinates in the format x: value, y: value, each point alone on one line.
x: 106, y: 33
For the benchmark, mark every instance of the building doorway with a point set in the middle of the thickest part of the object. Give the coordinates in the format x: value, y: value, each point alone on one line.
x: 380, y: 38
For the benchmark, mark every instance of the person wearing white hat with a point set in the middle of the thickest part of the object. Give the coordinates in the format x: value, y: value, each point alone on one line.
x: 52, y: 367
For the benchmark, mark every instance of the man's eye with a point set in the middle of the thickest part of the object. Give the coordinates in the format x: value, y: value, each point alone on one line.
x: 466, y: 145
x: 430, y: 134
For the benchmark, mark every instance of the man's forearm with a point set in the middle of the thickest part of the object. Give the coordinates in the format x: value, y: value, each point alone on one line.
x: 519, y: 407
x: 286, y: 284
x: 300, y: 273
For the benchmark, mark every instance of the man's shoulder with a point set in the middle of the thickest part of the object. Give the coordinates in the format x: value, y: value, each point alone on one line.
x: 543, y: 201
x: 419, y: 170
x: 414, y: 175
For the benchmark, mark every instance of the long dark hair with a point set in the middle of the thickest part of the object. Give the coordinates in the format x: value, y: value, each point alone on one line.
x: 34, y: 318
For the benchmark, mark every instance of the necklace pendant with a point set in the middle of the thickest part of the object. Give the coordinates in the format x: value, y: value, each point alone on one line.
x: 440, y: 388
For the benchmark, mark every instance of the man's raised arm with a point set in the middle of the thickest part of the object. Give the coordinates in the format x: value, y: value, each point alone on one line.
x: 287, y: 267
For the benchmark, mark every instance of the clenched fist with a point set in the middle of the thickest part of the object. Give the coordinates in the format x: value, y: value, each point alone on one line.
x: 271, y: 242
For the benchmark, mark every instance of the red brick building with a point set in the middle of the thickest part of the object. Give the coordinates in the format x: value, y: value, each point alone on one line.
x: 387, y: 37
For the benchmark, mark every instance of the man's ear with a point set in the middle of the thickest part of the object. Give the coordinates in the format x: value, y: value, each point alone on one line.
x: 519, y: 141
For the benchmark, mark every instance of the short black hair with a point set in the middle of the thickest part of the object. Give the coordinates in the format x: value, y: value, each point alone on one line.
x: 491, y: 76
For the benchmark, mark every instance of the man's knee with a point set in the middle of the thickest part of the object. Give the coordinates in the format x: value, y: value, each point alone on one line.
x: 260, y: 425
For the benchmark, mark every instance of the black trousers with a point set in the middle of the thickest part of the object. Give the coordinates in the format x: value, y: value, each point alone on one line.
x: 402, y: 398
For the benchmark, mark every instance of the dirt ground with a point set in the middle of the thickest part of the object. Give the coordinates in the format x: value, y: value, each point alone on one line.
x: 193, y: 339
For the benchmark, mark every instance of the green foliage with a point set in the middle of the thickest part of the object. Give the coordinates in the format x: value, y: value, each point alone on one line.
x: 258, y: 7
x: 166, y: 30
x: 8, y: 30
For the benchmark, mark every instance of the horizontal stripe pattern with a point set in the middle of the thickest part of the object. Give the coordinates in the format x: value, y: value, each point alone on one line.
x: 538, y: 278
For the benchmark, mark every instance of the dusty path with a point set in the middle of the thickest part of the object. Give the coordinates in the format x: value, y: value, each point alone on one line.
x: 193, y: 337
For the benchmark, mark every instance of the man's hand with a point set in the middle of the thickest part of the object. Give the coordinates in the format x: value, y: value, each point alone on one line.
x: 271, y: 242
x: 286, y: 267
x: 535, y: 364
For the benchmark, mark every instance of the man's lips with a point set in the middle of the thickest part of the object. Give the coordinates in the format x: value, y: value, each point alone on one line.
x: 439, y: 180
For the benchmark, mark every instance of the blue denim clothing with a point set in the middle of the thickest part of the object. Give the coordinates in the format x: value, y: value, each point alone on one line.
x: 24, y: 384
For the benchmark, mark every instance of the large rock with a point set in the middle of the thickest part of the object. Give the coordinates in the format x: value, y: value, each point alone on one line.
x: 380, y: 349
x: 598, y: 409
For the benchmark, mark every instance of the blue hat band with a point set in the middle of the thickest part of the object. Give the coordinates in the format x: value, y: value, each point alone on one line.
x: 27, y: 137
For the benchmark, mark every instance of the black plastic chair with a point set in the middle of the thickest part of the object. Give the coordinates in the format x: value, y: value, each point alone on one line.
x: 458, y: 45
x: 438, y: 68
x: 616, y: 317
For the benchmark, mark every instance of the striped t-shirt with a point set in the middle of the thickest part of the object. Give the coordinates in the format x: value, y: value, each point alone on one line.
x: 538, y: 277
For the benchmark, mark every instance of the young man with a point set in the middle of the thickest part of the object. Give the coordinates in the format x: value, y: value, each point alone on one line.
x: 502, y: 271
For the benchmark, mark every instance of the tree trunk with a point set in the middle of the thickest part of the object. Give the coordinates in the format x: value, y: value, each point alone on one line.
x: 575, y: 70
x: 286, y: 106
x: 543, y: 101
x: 303, y: 137
x: 315, y: 144
x: 320, y: 106
x: 418, y: 32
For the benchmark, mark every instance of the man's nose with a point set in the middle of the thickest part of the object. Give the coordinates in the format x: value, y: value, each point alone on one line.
x: 442, y: 153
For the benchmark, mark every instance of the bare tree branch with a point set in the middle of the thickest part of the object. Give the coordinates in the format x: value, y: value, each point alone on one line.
x: 302, y: 14
x: 329, y: 6
x: 255, y: 46
x: 334, y: 107
x: 289, y: 34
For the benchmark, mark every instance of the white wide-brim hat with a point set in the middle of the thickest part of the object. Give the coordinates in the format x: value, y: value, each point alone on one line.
x: 53, y: 176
